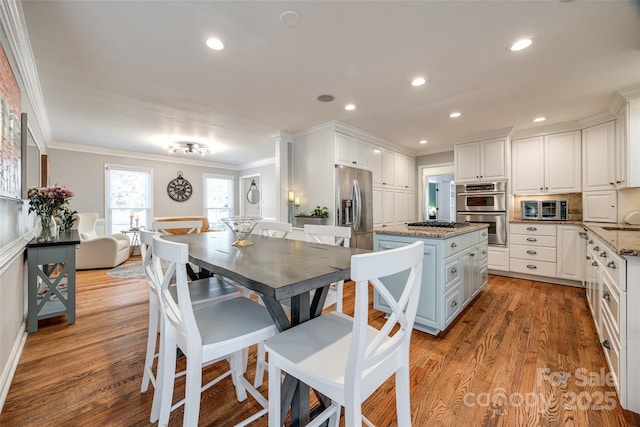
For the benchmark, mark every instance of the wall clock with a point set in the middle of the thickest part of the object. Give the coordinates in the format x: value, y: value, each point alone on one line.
x: 179, y: 189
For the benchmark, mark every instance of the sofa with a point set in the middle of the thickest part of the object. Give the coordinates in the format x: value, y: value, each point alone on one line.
x: 99, y: 251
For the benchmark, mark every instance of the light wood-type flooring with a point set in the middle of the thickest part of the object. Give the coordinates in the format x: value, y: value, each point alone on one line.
x: 523, y: 354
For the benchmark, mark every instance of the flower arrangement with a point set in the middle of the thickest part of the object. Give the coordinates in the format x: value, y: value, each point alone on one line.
x: 48, y: 201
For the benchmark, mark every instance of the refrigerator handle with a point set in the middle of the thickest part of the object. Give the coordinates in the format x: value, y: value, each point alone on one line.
x: 357, y: 209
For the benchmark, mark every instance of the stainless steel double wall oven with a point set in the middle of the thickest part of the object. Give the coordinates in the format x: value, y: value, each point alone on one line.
x: 484, y: 202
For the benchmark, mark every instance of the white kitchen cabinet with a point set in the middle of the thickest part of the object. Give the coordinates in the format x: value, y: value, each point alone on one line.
x: 404, y: 172
x: 628, y: 143
x: 599, y: 157
x: 480, y: 161
x: 400, y: 207
x: 498, y: 258
x: 546, y: 164
x: 376, y: 202
x: 599, y: 206
x: 569, y: 248
x: 388, y: 206
x: 382, y: 167
x: 352, y: 151
x: 533, y: 249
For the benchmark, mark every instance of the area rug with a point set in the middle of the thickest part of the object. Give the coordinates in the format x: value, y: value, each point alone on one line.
x: 127, y: 271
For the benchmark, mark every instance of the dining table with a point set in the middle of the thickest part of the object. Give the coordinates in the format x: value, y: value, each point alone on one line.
x: 294, y: 272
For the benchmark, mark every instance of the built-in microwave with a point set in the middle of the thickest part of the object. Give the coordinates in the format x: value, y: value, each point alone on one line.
x: 550, y: 210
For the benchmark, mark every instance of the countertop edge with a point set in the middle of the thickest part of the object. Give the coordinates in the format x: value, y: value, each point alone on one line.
x: 444, y: 233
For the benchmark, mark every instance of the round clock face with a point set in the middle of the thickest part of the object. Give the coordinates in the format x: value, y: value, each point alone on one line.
x: 179, y: 189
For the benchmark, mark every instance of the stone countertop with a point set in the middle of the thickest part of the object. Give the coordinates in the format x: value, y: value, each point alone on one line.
x: 624, y: 240
x: 432, y: 232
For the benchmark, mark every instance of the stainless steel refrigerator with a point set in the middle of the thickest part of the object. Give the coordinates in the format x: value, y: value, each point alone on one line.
x: 354, y: 192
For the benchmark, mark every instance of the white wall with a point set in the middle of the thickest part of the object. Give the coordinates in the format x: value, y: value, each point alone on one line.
x: 268, y: 191
x: 628, y: 200
x: 83, y: 173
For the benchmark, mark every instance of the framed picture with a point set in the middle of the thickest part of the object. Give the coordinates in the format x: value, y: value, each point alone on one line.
x: 45, y: 170
x: 10, y: 130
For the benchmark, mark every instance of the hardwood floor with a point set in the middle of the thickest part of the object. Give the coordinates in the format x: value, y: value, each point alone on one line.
x: 518, y: 356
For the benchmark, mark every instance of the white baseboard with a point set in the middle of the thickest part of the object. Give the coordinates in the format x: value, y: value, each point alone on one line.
x: 12, y: 364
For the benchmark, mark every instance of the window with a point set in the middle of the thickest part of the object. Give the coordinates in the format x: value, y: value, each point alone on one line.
x: 218, y: 199
x: 128, y: 194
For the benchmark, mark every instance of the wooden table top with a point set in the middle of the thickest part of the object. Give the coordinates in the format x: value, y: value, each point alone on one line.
x: 276, y: 268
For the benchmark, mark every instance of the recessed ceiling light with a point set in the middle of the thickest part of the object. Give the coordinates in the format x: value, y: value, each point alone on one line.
x: 521, y: 45
x: 215, y: 44
x: 454, y: 115
x: 418, y: 81
x: 539, y: 119
x: 423, y: 141
x: 289, y: 18
x: 325, y: 98
x: 350, y: 107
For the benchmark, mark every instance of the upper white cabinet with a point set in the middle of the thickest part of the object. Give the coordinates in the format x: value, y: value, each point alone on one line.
x: 480, y: 161
x: 628, y: 144
x: 404, y: 168
x: 382, y: 166
x: 599, y: 157
x: 546, y: 164
x: 352, y: 151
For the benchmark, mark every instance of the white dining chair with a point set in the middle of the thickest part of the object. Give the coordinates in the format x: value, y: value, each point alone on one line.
x: 201, y: 291
x: 273, y: 229
x: 345, y: 358
x: 206, y: 333
x: 185, y: 227
x: 333, y: 235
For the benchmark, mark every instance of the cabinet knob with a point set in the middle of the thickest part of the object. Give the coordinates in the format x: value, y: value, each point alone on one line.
x: 541, y: 188
x: 354, y: 162
x: 384, y: 183
x: 454, y: 270
x: 603, y: 255
x: 484, y: 234
x: 531, y: 239
x: 532, y: 267
x: 618, y: 182
x: 590, y: 242
x: 611, y: 264
x: 546, y: 188
x: 606, y: 344
x: 606, y: 296
x: 454, y: 303
x: 588, y: 257
x: 472, y: 254
x: 596, y: 248
x: 454, y: 245
x: 532, y: 229
x: 484, y: 252
x: 611, y: 183
x: 594, y: 263
x: 530, y: 252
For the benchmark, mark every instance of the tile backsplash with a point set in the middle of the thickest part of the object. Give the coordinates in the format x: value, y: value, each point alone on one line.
x: 574, y: 203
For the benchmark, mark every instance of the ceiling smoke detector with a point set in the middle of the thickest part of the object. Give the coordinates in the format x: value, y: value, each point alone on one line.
x: 289, y: 18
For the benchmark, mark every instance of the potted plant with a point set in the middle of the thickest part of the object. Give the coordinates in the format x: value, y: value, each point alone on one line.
x: 318, y: 216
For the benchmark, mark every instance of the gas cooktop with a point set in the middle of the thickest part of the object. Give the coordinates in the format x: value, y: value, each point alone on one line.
x: 438, y: 224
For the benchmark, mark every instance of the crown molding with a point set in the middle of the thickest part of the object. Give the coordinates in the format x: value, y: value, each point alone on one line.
x: 12, y: 19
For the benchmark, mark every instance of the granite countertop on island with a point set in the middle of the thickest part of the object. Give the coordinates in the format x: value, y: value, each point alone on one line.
x: 432, y: 232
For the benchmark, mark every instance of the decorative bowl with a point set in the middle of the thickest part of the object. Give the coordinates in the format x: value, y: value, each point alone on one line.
x: 241, y: 226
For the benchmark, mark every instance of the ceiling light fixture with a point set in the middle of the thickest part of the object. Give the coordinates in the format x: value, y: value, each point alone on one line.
x: 325, y: 98
x: 520, y: 45
x: 423, y: 141
x: 418, y: 81
x: 350, y: 107
x: 215, y: 44
x: 188, y: 147
x: 539, y: 119
x: 455, y: 115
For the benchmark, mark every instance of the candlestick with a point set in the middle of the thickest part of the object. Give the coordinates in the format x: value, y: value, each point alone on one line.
x: 291, y: 196
x: 130, y: 214
x: 297, y: 201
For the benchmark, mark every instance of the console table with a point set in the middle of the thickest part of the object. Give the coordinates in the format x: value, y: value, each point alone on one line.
x: 52, y: 279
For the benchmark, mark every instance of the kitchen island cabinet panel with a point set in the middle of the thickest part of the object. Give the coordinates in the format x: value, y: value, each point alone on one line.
x: 453, y: 273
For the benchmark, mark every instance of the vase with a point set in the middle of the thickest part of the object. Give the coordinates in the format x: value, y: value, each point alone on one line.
x: 46, y: 228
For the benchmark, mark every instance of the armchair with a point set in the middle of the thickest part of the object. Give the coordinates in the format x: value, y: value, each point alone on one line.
x: 99, y: 251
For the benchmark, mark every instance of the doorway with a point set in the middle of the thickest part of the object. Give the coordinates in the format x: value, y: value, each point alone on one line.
x: 438, y: 198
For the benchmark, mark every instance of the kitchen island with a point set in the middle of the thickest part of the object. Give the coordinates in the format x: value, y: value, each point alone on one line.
x: 454, y: 270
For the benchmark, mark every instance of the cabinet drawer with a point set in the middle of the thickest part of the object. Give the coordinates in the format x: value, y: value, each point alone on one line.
x: 615, y: 268
x: 452, y: 305
x: 483, y: 253
x: 456, y: 244
x: 611, y: 304
x: 533, y: 240
x: 537, y: 253
x: 540, y: 268
x: 611, y: 350
x: 452, y: 273
x: 533, y: 229
x: 479, y: 236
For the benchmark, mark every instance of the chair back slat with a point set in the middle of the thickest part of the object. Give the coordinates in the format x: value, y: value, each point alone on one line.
x: 273, y: 229
x: 146, y: 243
x: 177, y: 227
x: 368, y: 269
x: 315, y: 233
